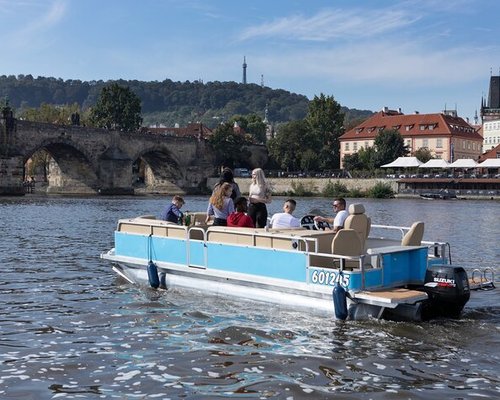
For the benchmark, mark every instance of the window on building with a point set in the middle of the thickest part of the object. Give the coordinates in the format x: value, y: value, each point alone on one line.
x: 439, y: 143
x: 422, y: 127
x: 463, y: 144
x: 346, y: 148
x: 425, y: 143
x: 355, y: 146
x: 366, y: 145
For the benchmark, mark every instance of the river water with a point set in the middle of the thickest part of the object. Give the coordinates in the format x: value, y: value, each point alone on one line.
x: 69, y: 328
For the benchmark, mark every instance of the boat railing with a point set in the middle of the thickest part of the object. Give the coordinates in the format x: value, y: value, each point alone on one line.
x: 258, y: 239
x: 402, y: 229
x: 437, y: 250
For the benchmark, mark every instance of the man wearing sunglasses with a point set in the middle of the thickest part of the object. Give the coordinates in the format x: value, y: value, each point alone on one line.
x: 339, y: 208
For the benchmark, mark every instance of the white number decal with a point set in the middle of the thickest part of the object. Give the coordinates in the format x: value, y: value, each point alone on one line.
x: 322, y: 277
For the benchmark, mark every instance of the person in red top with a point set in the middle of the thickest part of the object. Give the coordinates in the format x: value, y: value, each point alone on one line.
x: 239, y: 217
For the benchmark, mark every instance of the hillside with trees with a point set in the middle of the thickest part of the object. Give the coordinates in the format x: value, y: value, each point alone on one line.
x: 166, y: 102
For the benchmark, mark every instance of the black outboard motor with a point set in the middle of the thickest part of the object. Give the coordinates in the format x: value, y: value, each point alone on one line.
x: 448, y: 290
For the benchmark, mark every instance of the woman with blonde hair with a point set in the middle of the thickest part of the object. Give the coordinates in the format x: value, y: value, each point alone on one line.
x: 220, y: 204
x: 259, y: 195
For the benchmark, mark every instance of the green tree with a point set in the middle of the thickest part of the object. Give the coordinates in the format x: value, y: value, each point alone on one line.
x: 291, y: 142
x: 325, y: 120
x: 230, y: 148
x: 117, y: 108
x: 257, y: 128
x: 367, y: 157
x: 423, y: 154
x: 253, y: 125
x: 52, y: 114
x: 351, y: 162
x: 389, y: 145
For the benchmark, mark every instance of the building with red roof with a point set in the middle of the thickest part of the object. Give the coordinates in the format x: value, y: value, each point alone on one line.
x: 446, y: 135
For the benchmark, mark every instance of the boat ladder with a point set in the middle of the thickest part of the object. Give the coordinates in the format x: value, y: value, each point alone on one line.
x: 482, y: 279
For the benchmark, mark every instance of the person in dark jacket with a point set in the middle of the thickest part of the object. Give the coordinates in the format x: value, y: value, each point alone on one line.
x: 172, y: 212
x: 227, y: 176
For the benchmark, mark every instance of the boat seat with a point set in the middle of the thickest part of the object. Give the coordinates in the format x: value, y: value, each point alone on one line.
x: 358, y: 221
x: 197, y: 218
x: 347, y: 243
x: 414, y: 236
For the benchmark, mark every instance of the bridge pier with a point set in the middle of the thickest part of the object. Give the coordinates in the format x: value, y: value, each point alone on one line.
x: 11, y: 176
x: 115, y: 173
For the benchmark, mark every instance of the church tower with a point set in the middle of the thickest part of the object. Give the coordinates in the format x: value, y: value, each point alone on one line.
x: 244, y: 71
x: 491, y: 110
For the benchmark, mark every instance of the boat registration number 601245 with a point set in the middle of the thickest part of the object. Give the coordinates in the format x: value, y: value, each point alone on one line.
x: 329, y: 278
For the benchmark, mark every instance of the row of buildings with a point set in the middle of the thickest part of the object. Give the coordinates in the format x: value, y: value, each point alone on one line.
x: 445, y: 134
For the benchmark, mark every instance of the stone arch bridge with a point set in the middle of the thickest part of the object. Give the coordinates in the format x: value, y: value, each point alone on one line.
x: 89, y: 161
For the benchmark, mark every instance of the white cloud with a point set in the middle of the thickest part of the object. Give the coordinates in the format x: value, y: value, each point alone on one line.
x: 37, y: 22
x: 333, y: 24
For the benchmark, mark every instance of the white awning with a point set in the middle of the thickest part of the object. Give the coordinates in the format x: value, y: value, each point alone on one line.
x: 403, y: 162
x: 463, y: 163
x: 490, y: 163
x: 435, y: 163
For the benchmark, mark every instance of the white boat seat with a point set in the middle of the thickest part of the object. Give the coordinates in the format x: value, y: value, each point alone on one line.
x: 358, y: 221
x: 347, y: 243
x: 414, y: 236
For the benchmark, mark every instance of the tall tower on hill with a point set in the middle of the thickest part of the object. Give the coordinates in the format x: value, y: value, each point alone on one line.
x: 244, y: 70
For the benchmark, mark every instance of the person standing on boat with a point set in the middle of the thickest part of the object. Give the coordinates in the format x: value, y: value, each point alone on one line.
x: 172, y: 213
x: 339, y: 208
x: 239, y: 217
x: 259, y: 195
x: 220, y: 205
x: 227, y: 176
x: 286, y: 220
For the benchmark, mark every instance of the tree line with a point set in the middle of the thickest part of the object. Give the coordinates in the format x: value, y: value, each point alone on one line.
x: 305, y: 140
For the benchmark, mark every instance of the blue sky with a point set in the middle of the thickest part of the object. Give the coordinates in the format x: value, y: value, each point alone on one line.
x: 418, y: 55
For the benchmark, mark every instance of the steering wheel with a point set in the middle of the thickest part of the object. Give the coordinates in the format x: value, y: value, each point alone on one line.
x: 321, y: 225
x: 307, y: 221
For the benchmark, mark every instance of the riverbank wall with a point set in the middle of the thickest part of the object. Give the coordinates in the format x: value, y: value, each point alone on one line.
x: 316, y: 186
x: 282, y: 186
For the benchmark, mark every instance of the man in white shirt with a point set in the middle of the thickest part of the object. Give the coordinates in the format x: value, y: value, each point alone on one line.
x: 286, y: 220
x: 337, y: 223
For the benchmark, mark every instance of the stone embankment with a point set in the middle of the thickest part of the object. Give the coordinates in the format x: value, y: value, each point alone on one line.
x: 315, y: 185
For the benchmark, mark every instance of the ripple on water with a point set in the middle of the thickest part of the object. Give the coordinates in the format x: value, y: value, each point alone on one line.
x: 70, y: 329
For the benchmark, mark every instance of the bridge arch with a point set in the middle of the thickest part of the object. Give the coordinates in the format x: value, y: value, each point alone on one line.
x: 156, y: 169
x: 67, y: 168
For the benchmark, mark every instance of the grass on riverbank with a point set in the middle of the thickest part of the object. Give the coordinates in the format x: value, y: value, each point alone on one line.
x: 337, y: 189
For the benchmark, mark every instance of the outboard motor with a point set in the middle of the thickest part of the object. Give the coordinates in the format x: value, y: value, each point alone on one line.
x: 448, y: 290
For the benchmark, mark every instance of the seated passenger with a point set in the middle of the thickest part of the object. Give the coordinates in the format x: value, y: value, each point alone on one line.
x: 286, y: 220
x: 239, y: 217
x: 172, y: 213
